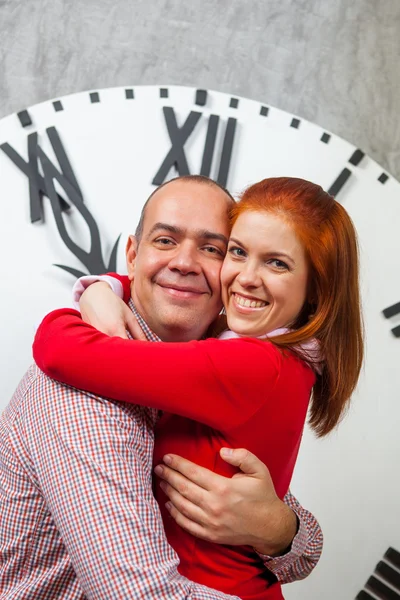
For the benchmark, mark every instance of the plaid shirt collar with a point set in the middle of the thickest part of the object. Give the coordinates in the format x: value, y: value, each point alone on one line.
x: 150, y: 335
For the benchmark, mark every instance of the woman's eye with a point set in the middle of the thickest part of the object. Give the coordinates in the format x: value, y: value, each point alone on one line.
x: 279, y: 264
x: 235, y: 251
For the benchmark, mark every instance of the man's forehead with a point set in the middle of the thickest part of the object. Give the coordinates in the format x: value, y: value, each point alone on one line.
x: 181, y: 203
x: 184, y: 189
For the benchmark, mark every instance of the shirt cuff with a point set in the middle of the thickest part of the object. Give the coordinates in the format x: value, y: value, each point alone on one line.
x: 84, y: 282
x: 297, y: 550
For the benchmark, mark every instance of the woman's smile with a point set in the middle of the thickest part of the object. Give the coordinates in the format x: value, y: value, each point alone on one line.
x: 242, y: 301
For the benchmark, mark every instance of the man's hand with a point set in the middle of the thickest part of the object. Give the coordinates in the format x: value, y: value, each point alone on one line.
x: 105, y: 311
x: 242, y: 510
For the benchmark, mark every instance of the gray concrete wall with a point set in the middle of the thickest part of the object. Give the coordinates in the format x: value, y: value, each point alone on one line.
x: 334, y: 62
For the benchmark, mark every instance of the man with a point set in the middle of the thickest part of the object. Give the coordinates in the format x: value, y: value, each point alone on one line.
x: 79, y: 519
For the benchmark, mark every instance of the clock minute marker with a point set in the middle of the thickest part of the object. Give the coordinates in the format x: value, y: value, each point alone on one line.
x: 94, y: 97
x: 356, y: 157
x: 201, y: 97
x: 58, y: 106
x: 383, y: 178
x: 24, y: 118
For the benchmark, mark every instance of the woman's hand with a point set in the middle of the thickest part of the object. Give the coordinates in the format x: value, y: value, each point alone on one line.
x: 105, y: 311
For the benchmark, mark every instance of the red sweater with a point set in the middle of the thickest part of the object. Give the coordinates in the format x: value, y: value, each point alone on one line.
x: 236, y: 393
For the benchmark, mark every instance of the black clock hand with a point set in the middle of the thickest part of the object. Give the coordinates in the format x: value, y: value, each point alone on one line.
x: 37, y: 187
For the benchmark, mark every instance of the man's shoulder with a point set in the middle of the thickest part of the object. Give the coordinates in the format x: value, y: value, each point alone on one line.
x: 39, y: 397
x: 22, y: 393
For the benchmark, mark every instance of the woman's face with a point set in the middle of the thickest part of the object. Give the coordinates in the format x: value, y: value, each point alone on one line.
x: 264, y: 276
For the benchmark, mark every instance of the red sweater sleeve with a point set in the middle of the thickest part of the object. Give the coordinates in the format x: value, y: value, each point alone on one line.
x: 221, y: 383
x: 126, y: 284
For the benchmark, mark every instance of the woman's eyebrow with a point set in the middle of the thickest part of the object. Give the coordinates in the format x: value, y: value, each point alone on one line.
x: 277, y: 253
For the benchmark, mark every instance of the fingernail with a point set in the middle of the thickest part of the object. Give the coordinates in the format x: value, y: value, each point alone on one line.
x: 167, y: 459
x: 163, y: 486
x: 158, y: 470
x: 226, y: 452
x: 168, y: 506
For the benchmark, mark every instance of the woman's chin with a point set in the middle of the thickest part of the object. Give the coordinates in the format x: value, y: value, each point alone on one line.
x: 243, y: 329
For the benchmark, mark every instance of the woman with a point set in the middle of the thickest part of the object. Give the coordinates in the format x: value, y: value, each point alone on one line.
x: 290, y: 290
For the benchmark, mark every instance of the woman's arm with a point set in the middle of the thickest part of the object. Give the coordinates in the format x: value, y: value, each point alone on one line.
x: 219, y: 383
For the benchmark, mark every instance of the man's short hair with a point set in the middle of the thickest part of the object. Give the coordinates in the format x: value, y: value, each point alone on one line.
x: 195, y: 179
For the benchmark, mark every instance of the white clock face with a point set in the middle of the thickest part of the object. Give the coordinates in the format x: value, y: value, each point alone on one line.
x: 111, y: 146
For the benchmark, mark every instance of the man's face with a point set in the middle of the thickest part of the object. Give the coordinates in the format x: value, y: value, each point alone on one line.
x: 176, y: 265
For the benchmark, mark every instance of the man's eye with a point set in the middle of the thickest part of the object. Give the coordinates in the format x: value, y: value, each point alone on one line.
x: 163, y: 241
x: 214, y: 250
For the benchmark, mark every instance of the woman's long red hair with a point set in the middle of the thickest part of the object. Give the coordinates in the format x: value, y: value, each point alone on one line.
x: 332, y: 311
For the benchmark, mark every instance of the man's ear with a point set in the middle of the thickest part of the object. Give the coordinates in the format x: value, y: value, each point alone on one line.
x: 131, y: 255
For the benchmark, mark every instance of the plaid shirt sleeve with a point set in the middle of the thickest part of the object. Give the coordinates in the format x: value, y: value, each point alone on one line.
x: 306, y: 547
x: 93, y: 463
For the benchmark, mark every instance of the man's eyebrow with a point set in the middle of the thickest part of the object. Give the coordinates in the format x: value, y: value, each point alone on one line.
x: 211, y: 235
x: 166, y: 227
x: 204, y: 234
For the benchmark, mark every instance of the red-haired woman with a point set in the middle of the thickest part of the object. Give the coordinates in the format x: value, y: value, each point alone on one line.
x: 291, y: 295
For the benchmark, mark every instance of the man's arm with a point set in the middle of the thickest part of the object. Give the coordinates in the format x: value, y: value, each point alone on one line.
x: 93, y: 464
x: 305, y: 549
x: 243, y: 510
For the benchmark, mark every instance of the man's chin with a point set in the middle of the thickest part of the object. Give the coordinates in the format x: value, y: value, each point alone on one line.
x: 180, y: 325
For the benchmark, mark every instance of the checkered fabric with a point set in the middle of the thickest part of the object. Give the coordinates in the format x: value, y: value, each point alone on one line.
x: 77, y: 515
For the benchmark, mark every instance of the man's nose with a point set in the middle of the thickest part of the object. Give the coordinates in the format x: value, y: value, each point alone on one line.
x: 186, y: 259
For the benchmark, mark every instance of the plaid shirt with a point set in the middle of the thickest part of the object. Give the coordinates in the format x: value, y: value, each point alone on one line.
x: 78, y: 517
